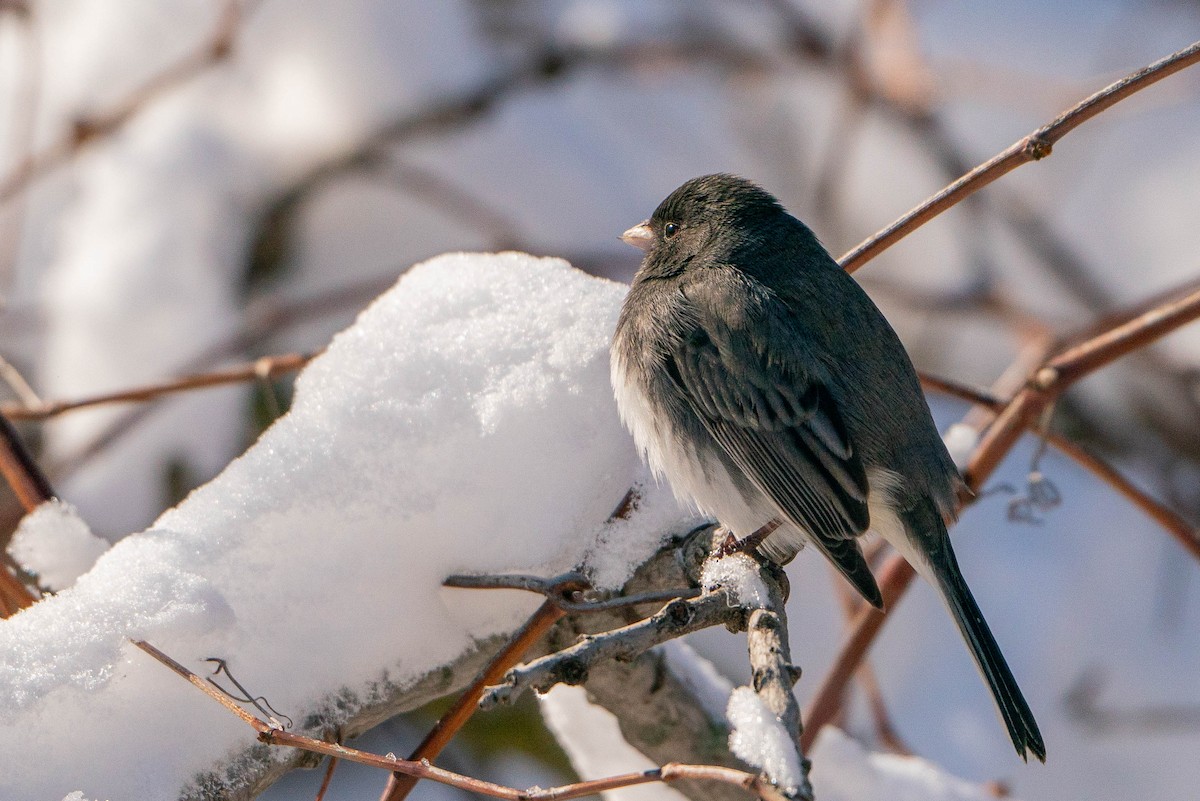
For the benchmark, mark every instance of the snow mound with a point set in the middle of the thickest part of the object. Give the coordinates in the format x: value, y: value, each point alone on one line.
x: 464, y: 423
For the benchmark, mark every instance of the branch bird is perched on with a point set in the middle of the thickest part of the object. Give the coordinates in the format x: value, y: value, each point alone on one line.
x: 758, y: 377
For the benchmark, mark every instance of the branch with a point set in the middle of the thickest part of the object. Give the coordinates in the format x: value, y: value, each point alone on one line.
x: 266, y: 368
x: 773, y: 673
x: 1179, y: 528
x: 32, y: 489
x: 19, y: 469
x: 1033, y: 147
x: 399, y: 785
x: 271, y: 734
x: 570, y: 665
x: 562, y: 591
x: 1067, y: 368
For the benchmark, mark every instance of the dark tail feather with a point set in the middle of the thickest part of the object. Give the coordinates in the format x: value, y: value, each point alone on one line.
x: 1022, y: 728
x: 848, y: 558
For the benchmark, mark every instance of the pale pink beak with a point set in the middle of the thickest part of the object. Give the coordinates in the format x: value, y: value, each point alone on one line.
x: 640, y: 236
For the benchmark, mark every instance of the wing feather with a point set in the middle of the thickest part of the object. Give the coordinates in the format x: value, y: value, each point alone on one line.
x: 779, y: 424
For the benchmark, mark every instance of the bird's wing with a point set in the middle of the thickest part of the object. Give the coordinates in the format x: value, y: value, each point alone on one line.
x: 775, y: 418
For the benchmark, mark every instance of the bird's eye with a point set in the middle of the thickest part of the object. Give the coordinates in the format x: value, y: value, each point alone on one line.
x: 670, y: 229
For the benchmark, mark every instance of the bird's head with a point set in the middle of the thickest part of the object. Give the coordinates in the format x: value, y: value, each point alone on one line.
x: 711, y: 217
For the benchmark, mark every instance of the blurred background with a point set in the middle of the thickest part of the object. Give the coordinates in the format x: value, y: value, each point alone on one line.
x: 189, y: 184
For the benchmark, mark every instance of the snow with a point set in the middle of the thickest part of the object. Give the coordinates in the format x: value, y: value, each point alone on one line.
x: 738, y: 574
x: 591, y: 736
x: 845, y: 771
x: 463, y: 424
x: 54, y: 543
x: 707, y: 684
x: 158, y: 222
x: 961, y: 439
x: 758, y: 738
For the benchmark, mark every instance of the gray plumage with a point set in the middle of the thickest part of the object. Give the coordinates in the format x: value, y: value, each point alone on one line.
x: 763, y: 383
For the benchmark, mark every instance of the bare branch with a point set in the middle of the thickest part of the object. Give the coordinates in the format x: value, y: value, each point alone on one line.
x: 265, y: 368
x: 570, y: 666
x: 1033, y: 147
x: 1067, y: 368
x: 19, y: 469
x: 563, y: 591
x: 422, y: 769
x: 773, y: 673
x: 1178, y: 527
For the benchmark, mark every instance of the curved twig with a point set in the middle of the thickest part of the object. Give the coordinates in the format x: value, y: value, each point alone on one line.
x: 1034, y: 147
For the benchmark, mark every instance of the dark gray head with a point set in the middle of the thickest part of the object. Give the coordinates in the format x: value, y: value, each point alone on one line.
x: 716, y: 217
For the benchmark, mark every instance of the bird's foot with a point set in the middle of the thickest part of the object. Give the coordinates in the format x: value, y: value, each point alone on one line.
x: 733, y: 545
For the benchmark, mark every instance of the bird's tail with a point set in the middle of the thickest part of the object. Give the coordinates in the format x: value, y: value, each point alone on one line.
x: 941, y: 569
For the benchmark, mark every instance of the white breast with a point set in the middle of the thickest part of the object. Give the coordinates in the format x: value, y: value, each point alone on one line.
x: 704, y: 484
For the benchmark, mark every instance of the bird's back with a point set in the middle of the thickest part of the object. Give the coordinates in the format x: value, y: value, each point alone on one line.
x: 871, y: 376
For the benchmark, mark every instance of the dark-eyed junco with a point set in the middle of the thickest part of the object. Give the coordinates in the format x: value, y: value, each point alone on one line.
x: 763, y: 383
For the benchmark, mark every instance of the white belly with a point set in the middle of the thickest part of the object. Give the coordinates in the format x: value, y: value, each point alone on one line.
x: 704, y: 484
x: 707, y: 485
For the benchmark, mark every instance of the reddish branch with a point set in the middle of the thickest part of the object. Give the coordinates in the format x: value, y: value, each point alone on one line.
x: 32, y: 489
x: 421, y: 769
x: 401, y: 783
x: 1067, y: 368
x: 1179, y: 528
x: 261, y: 369
x: 1033, y: 147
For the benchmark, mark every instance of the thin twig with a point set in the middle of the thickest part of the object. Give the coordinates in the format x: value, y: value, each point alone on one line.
x: 561, y: 590
x: 32, y: 489
x: 1179, y: 528
x: 208, y: 689
x: 20, y: 470
x: 17, y: 383
x: 570, y: 665
x: 422, y: 769
x: 265, y: 368
x: 327, y: 780
x: 1033, y: 147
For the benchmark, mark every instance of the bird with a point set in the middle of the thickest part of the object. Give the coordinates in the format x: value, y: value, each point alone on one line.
x: 760, y: 380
